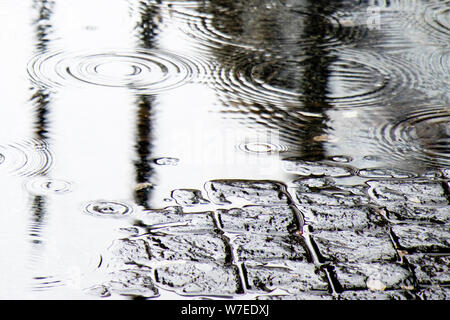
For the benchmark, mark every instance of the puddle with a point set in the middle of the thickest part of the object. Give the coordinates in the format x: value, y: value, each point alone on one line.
x: 174, y: 123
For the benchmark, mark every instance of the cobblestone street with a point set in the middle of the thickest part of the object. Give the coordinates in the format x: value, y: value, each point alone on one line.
x: 321, y: 238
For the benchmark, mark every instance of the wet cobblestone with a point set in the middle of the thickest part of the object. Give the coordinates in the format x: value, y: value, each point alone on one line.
x: 423, y: 238
x: 264, y: 248
x: 355, y: 246
x: 199, y: 278
x: 384, y: 240
x: 373, y: 276
x: 293, y: 277
x: 430, y: 269
x: 260, y: 219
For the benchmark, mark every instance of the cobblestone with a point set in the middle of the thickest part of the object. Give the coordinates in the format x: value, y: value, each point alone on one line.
x: 308, y: 168
x: 355, y: 246
x: 435, y: 293
x: 199, y: 278
x: 293, y: 277
x: 423, y: 193
x: 266, y: 248
x: 172, y: 219
x: 331, y: 199
x: 377, y: 295
x: 422, y: 238
x: 188, y: 197
x: 298, y: 296
x: 402, y: 213
x: 188, y: 247
x: 430, y: 269
x: 384, y: 240
x: 340, y: 218
x: 260, y: 219
x: 254, y: 192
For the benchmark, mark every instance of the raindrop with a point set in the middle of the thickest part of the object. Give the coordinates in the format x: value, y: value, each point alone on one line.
x: 142, y: 70
x: 262, y: 147
x: 167, y: 161
x: 108, y: 208
x: 44, y: 186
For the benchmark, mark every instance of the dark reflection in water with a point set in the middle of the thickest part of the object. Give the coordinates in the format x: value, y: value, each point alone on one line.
x: 283, y: 65
x: 147, y: 29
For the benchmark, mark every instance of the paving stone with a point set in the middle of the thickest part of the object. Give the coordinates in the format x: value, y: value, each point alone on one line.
x: 188, y: 197
x: 251, y: 247
x: 435, y: 293
x: 188, y: 247
x: 320, y: 184
x: 291, y: 276
x: 399, y: 213
x: 307, y: 168
x: 192, y: 278
x: 340, y: 217
x: 373, y: 276
x: 132, y: 282
x: 298, y: 296
x: 381, y: 173
x: 355, y: 246
x: 254, y: 192
x: 172, y: 219
x: 377, y: 295
x: 128, y: 251
x: 423, y: 238
x: 430, y: 269
x: 260, y: 219
x: 331, y: 199
x: 406, y: 191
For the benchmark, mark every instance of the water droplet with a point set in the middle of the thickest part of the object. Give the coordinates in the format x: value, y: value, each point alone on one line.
x: 142, y: 70
x: 167, y: 161
x: 42, y: 186
x: 262, y: 147
x: 108, y: 208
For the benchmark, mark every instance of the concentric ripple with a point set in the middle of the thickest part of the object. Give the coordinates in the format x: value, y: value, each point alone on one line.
x: 252, y: 26
x: 27, y: 158
x: 142, y: 70
x: 258, y: 147
x: 355, y: 78
x: 108, y: 208
x: 44, y: 186
x: 423, y: 135
x: 437, y: 18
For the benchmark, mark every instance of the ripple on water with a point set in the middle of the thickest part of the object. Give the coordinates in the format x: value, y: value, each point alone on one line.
x: 355, y: 78
x: 437, y: 18
x: 251, y: 25
x: 422, y: 135
x: 108, y: 208
x: 26, y: 158
x: 146, y: 71
x: 45, y: 186
x: 258, y: 147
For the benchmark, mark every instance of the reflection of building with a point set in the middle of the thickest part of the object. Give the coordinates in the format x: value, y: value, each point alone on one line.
x: 282, y: 61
